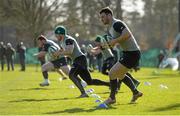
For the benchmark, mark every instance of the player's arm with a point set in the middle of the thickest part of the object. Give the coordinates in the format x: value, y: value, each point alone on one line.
x: 68, y: 49
x: 122, y: 30
x: 43, y: 51
x: 95, y: 50
x: 40, y: 54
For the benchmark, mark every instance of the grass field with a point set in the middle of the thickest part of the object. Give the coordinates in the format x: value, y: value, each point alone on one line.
x: 20, y: 94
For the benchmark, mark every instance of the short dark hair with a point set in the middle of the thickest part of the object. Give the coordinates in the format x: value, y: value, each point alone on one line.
x: 106, y: 10
x: 41, y: 37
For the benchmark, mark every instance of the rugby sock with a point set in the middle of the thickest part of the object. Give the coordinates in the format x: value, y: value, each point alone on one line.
x: 77, y: 82
x: 132, y: 78
x: 119, y: 82
x: 85, y: 75
x: 104, y: 71
x: 45, y: 74
x: 127, y: 80
x: 113, y: 87
x: 99, y: 82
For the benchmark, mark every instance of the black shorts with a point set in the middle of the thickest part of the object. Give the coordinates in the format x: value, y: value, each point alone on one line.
x: 59, y: 62
x: 130, y: 59
x: 108, y: 63
x: 80, y: 62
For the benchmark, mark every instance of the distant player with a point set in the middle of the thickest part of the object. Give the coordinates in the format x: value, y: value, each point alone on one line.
x: 170, y: 62
x: 71, y: 48
x: 121, y: 35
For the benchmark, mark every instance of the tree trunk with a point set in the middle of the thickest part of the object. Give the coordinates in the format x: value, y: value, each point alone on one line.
x: 119, y: 9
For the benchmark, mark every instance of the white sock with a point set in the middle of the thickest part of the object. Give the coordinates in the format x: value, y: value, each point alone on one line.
x: 46, y: 80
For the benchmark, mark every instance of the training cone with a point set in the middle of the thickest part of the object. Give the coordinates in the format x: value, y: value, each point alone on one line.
x: 98, y: 101
x: 90, y: 91
x: 103, y: 105
x: 95, y: 96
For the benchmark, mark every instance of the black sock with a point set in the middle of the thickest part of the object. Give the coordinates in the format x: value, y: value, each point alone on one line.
x: 132, y: 78
x: 127, y: 80
x: 77, y: 82
x: 104, y: 72
x: 119, y: 82
x: 99, y: 82
x: 113, y: 87
x: 85, y: 75
x: 45, y: 74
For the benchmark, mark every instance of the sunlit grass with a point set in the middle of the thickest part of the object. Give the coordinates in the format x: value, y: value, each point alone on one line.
x: 21, y: 94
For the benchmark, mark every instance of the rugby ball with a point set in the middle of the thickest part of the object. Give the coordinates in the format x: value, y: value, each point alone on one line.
x: 52, y: 50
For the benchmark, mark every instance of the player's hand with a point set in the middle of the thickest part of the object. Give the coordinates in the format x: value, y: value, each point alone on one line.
x: 35, y: 55
x: 104, y: 45
x: 112, y: 42
x: 56, y: 54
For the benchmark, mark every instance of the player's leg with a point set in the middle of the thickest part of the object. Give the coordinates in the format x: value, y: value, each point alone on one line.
x: 73, y: 76
x: 110, y: 64
x: 118, y: 70
x: 2, y: 64
x: 12, y: 64
x: 60, y: 72
x: 85, y: 75
x: 104, y: 68
x: 45, y: 68
x: 8, y: 64
x: 119, y: 82
x: 128, y: 82
x: 23, y: 65
x: 136, y: 82
x: 64, y: 70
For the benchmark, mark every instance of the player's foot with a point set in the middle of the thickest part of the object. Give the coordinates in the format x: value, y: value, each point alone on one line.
x: 136, y: 96
x: 110, y: 101
x: 83, y: 95
x: 44, y: 84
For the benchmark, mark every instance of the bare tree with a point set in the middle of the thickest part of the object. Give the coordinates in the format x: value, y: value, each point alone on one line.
x: 30, y: 17
x: 159, y: 22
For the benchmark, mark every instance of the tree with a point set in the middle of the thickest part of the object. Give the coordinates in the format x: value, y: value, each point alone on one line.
x: 159, y: 22
x: 29, y: 17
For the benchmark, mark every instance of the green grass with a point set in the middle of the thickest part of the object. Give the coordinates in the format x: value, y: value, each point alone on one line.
x: 20, y: 94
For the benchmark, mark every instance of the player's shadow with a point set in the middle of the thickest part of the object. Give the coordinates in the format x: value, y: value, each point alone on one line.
x: 165, y: 108
x: 77, y: 110
x: 40, y: 100
x: 38, y: 88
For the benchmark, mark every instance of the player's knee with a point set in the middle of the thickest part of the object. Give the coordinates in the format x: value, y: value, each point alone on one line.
x: 71, y: 75
x: 104, y: 72
x: 111, y: 75
x: 89, y: 82
x: 43, y: 68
